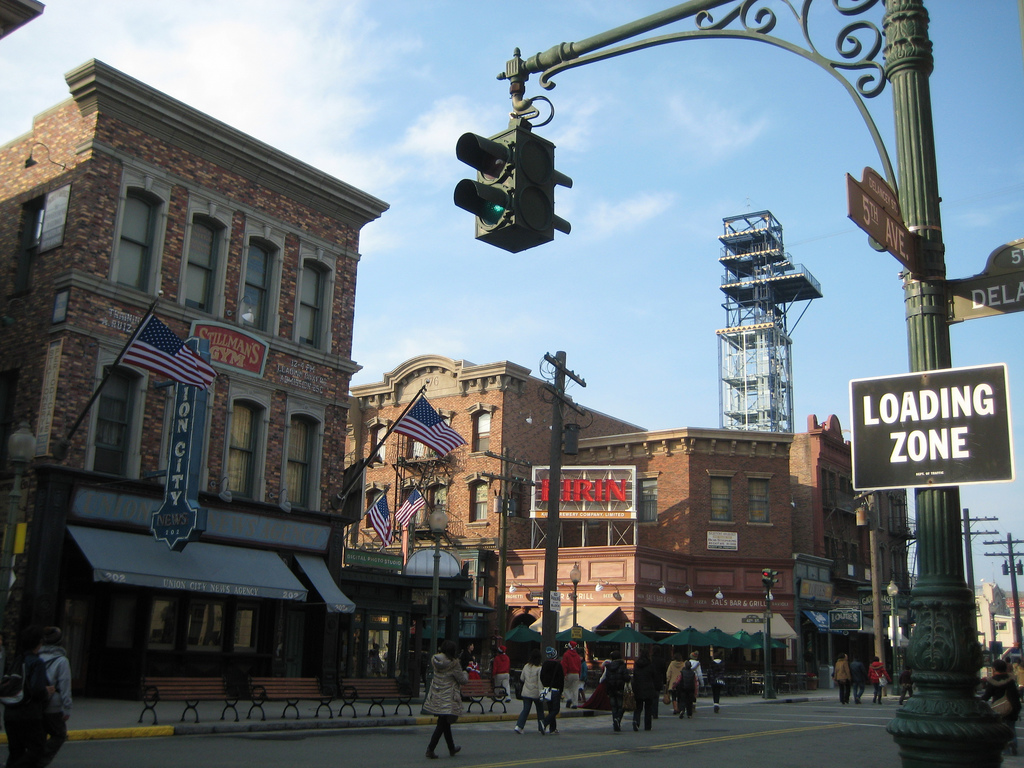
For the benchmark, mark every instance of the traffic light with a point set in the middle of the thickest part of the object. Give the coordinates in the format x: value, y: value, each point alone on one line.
x: 769, y: 577
x: 513, y: 197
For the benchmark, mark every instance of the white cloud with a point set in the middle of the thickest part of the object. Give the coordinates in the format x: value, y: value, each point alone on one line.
x: 714, y: 131
x: 607, y: 217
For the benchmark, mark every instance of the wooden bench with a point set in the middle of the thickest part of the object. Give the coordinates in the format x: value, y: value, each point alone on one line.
x: 475, y: 691
x: 190, y: 690
x: 290, y: 690
x: 375, y: 690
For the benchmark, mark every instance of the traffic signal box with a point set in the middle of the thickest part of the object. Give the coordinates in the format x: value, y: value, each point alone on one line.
x: 513, y: 197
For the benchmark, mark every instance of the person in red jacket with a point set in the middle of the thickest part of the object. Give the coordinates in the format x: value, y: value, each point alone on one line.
x: 878, y: 677
x: 571, y: 668
x: 500, y: 667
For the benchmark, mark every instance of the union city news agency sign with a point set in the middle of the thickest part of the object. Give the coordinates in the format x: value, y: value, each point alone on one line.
x: 944, y: 427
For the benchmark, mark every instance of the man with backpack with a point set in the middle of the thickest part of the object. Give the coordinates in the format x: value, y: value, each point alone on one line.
x: 615, y: 677
x: 23, y: 708
x: 58, y: 708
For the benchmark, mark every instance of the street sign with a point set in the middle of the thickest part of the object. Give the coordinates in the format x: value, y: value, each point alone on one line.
x: 873, y: 207
x: 556, y: 601
x: 849, y: 619
x: 998, y: 290
x: 933, y: 428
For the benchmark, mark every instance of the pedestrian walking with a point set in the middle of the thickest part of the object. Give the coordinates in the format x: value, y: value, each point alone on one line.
x: 500, y: 669
x: 23, y: 721
x: 686, y: 685
x: 444, y: 698
x: 646, y: 686
x: 671, y: 678
x: 581, y: 694
x: 58, y: 708
x: 615, y: 676
x: 571, y: 666
x: 660, y: 669
x: 858, y: 679
x: 717, y: 675
x: 552, y: 680
x: 906, y: 684
x: 530, y: 678
x: 844, y: 678
x: 1001, y: 689
x: 698, y: 683
x: 878, y: 677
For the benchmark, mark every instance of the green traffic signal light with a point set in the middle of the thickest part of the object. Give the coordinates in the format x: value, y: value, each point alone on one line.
x: 513, y: 195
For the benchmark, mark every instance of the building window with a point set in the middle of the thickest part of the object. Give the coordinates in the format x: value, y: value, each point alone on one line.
x: 482, y: 431
x: 121, y: 622
x: 113, y: 425
x: 242, y: 451
x: 31, y: 230
x: 721, y: 498
x: 201, y: 267
x: 648, y: 508
x: 301, y: 433
x: 134, y: 252
x: 163, y: 623
x: 205, y: 625
x: 480, y: 494
x: 377, y: 439
x: 246, y: 626
x: 311, y: 300
x: 257, y: 287
x: 757, y: 500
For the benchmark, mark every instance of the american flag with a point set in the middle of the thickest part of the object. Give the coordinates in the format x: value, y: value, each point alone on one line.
x: 380, y: 519
x: 156, y: 348
x: 408, y: 510
x: 422, y: 423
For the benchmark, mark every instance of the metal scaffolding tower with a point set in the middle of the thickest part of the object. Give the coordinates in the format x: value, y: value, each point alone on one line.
x: 760, y: 284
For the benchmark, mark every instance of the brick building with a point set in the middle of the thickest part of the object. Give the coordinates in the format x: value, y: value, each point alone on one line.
x: 119, y: 199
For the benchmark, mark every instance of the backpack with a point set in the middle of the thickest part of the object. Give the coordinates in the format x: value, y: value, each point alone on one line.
x: 12, y: 685
x: 616, y: 677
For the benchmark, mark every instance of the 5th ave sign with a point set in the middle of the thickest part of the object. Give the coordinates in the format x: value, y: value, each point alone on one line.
x: 872, y: 205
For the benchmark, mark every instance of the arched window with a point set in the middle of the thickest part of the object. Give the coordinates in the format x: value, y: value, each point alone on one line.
x: 135, y: 249
x: 202, y: 265
x: 257, y: 286
x: 301, y: 437
x: 243, y: 449
x: 112, y: 443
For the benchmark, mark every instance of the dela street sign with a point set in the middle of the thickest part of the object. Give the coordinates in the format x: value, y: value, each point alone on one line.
x: 945, y: 427
x: 996, y: 291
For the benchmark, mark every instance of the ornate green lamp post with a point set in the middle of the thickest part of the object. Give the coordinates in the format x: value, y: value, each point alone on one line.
x: 21, y: 447
x: 438, y: 522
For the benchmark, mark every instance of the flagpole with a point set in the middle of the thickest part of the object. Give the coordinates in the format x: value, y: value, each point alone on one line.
x: 60, y: 452
x: 365, y: 462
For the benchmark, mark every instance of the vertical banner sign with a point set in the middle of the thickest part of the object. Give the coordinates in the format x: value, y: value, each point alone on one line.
x: 944, y: 427
x: 179, y: 519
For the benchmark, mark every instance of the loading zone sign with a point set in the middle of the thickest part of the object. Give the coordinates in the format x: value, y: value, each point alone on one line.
x: 945, y: 427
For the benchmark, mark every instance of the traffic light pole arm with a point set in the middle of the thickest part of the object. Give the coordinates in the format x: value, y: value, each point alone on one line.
x: 852, y: 53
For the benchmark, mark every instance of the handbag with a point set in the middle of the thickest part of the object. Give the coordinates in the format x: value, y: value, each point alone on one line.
x: 548, y: 694
x: 1002, y: 707
x: 628, y: 699
x: 666, y: 698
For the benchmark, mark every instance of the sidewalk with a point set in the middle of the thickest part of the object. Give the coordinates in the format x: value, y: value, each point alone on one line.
x: 118, y: 719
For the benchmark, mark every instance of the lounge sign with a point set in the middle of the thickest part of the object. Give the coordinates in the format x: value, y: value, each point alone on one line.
x: 943, y: 427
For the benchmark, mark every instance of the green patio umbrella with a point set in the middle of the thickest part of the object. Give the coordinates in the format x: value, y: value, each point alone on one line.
x: 747, y: 640
x: 722, y: 639
x: 523, y: 634
x: 588, y: 637
x: 626, y: 635
x: 759, y: 637
x: 688, y: 636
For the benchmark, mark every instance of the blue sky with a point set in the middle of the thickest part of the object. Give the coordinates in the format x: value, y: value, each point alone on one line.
x: 661, y: 144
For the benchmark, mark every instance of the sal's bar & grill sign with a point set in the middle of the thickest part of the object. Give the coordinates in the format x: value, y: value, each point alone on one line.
x: 944, y: 427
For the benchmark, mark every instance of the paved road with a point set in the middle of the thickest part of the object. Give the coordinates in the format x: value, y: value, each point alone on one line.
x: 817, y: 734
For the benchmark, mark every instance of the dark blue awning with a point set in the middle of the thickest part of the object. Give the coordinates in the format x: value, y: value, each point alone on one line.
x: 214, y: 569
x: 324, y: 583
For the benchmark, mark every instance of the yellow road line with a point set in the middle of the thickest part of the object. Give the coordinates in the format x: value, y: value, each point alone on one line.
x: 549, y: 759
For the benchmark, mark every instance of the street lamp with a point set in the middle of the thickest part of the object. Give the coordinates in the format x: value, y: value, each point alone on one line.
x: 21, y: 447
x: 893, y: 591
x: 574, y: 577
x: 438, y: 522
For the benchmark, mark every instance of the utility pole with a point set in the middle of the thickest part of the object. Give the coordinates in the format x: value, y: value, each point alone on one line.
x: 549, y: 619
x: 505, y: 479
x: 1013, y: 567
x: 968, y: 540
